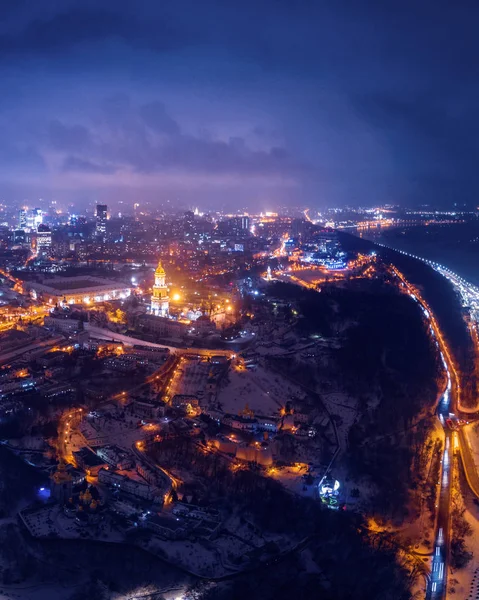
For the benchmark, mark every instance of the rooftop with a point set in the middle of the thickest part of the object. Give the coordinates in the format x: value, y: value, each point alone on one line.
x: 167, y: 522
x: 70, y: 283
x: 81, y: 284
x: 88, y: 457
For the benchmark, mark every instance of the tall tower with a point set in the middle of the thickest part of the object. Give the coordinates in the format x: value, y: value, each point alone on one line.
x: 101, y: 216
x: 61, y: 483
x: 159, y: 299
x: 44, y: 240
x: 22, y: 218
x: 268, y: 273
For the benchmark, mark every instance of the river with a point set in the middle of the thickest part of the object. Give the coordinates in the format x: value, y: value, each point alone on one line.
x: 454, y: 245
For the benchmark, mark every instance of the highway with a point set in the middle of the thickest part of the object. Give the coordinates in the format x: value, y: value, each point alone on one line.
x: 469, y: 295
x: 449, y: 404
x: 106, y: 334
x: 68, y: 421
x: 11, y: 354
x: 437, y: 583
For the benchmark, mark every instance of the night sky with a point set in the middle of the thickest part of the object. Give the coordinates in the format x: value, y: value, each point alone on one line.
x: 230, y: 104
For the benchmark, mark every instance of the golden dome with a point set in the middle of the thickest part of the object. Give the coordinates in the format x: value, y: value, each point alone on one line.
x: 61, y: 475
x: 86, y: 497
x: 159, y: 269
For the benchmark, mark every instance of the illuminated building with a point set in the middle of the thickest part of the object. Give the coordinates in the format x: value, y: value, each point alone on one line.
x: 44, y: 240
x: 328, y: 489
x: 159, y: 299
x: 244, y: 222
x: 61, y: 483
x: 34, y: 218
x: 78, y: 290
x: 101, y: 216
x: 22, y: 218
x: 127, y: 485
x: 328, y: 242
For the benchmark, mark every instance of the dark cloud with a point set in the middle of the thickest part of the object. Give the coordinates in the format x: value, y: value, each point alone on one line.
x: 20, y: 159
x: 80, y: 165
x: 327, y: 102
x: 440, y: 136
x: 155, y: 116
x: 69, y: 138
x: 65, y: 30
x: 148, y: 140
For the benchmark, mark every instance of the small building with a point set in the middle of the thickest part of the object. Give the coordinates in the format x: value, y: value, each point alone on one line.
x: 151, y: 352
x: 61, y: 323
x: 154, y: 477
x: 147, y: 409
x: 55, y: 357
x: 129, y: 486
x: 58, y: 390
x: 185, y: 402
x: 219, y: 359
x: 267, y: 424
x: 115, y: 457
x: 91, y: 436
x: 166, y: 527
x: 121, y: 364
x: 87, y: 460
x: 239, y: 422
x: 259, y: 453
x: 225, y: 444
x: 203, y: 325
x: 162, y: 326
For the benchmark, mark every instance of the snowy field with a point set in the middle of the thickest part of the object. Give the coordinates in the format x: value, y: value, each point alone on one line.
x: 344, y: 407
x: 264, y: 392
x: 190, y: 378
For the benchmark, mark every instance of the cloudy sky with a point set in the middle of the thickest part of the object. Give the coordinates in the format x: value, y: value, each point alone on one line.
x: 225, y: 103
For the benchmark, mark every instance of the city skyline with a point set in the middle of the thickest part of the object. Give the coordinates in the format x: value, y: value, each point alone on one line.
x: 265, y: 105
x: 239, y: 300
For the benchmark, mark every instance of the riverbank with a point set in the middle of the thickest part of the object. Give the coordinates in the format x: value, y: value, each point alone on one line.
x: 456, y: 246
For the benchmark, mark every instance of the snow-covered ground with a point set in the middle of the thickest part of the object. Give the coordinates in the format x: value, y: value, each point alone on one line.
x: 197, y: 557
x: 37, y: 591
x: 123, y: 433
x: 265, y: 392
x: 28, y: 443
x: 190, y: 378
x: 344, y: 407
x: 472, y: 436
x: 292, y: 479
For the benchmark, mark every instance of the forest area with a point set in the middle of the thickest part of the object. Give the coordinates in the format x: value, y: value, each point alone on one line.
x: 444, y: 302
x: 386, y: 358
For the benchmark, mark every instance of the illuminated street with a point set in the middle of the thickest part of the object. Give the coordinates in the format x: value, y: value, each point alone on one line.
x: 447, y: 408
x: 438, y: 580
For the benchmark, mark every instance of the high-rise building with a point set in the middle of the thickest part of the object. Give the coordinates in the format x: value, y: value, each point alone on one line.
x: 244, y: 222
x: 101, y: 215
x: 236, y: 226
x: 44, y: 240
x: 22, y: 218
x: 160, y: 301
x: 34, y: 218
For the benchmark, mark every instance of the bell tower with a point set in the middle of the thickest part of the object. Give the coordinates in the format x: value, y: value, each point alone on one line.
x: 159, y: 299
